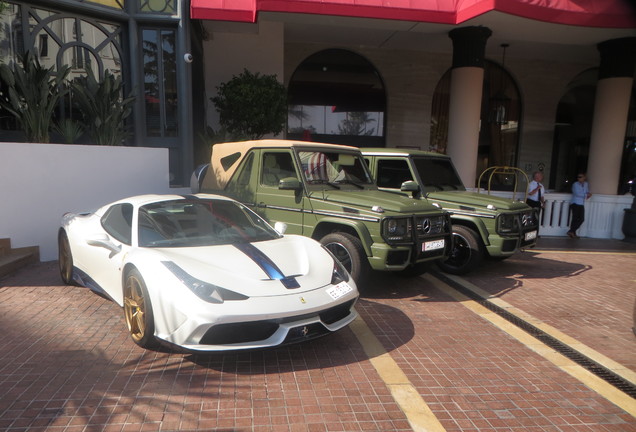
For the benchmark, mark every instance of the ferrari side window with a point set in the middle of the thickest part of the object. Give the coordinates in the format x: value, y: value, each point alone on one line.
x: 117, y: 222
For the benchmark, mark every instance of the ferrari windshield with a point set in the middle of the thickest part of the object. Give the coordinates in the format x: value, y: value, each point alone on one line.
x: 200, y: 222
x: 334, y: 168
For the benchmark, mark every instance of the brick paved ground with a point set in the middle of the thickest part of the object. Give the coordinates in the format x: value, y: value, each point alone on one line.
x: 67, y: 363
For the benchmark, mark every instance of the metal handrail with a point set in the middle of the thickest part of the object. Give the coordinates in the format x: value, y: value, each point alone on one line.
x: 504, y: 170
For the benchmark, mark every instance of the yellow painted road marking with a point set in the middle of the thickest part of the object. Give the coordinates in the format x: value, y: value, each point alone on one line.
x: 417, y: 412
x: 608, y: 391
x: 579, y: 252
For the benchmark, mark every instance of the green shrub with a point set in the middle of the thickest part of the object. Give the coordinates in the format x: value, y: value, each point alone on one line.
x: 251, y: 105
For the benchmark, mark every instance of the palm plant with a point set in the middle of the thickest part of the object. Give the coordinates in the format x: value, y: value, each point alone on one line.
x: 32, y: 95
x: 103, y: 107
x: 70, y: 130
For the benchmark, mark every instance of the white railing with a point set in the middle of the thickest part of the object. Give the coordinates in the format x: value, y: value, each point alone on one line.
x: 603, y: 214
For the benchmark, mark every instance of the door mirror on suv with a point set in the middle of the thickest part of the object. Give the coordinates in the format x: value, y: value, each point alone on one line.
x: 289, y: 183
x: 411, y: 186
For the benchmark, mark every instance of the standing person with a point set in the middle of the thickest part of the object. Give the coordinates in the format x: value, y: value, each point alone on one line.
x: 580, y: 192
x: 536, y: 191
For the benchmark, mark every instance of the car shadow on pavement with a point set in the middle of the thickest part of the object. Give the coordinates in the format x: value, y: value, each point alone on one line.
x: 500, y: 277
x: 530, y: 265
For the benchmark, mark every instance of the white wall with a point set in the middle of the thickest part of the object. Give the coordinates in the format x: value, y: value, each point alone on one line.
x: 41, y: 182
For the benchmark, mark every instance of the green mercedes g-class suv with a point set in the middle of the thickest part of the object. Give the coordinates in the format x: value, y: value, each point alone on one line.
x: 326, y: 192
x: 483, y: 225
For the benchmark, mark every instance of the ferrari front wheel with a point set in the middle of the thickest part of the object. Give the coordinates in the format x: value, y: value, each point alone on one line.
x: 138, y: 310
x: 65, y: 258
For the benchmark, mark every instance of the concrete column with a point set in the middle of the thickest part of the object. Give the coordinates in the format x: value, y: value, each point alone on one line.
x: 613, y: 92
x: 467, y: 76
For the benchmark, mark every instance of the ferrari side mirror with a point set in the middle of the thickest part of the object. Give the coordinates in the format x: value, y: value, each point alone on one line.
x: 102, y: 240
x: 280, y: 227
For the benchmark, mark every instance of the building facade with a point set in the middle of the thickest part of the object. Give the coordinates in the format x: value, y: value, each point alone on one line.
x: 544, y: 87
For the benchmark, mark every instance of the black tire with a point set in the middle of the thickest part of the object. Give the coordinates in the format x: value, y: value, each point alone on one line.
x: 466, y: 254
x: 138, y: 311
x: 349, y: 251
x: 65, y: 258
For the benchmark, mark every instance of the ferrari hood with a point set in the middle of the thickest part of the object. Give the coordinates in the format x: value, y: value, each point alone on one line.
x: 476, y: 200
x: 269, y: 268
x: 366, y: 199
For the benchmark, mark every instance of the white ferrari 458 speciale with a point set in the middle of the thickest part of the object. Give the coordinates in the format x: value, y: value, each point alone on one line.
x: 205, y: 273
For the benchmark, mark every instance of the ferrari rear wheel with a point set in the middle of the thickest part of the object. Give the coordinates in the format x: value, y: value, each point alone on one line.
x: 138, y: 310
x: 65, y: 258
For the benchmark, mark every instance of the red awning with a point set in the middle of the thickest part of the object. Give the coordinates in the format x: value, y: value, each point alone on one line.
x: 589, y: 13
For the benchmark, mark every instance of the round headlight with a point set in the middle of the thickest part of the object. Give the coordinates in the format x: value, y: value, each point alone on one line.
x: 392, y: 226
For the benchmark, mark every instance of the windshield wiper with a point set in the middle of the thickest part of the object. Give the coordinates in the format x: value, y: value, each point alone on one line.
x: 358, y: 185
x: 335, y: 186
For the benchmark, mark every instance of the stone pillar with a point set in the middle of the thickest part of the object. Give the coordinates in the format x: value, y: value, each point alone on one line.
x: 467, y: 76
x: 613, y: 92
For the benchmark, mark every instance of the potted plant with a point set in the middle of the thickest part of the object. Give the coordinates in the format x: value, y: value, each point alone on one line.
x: 33, y: 94
x: 104, y: 108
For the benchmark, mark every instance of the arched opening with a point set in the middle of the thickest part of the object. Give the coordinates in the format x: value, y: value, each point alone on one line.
x: 500, y: 119
x: 572, y: 132
x: 337, y: 96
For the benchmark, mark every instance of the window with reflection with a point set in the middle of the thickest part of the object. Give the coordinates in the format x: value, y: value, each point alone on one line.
x: 337, y: 96
x: 160, y: 82
x: 58, y: 39
x: 573, y: 131
x: 499, y: 121
x: 119, y: 4
x: 158, y: 6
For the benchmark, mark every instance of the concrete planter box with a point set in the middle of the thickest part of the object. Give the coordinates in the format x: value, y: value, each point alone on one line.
x: 40, y: 182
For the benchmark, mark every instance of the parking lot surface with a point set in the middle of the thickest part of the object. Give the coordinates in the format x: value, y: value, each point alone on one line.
x: 488, y: 351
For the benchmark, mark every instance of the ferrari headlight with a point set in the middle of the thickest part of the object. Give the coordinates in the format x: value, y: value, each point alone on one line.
x: 339, y: 273
x: 396, y: 229
x: 205, y: 291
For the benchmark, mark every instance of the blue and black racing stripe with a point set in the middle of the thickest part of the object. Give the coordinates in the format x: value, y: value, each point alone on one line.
x: 269, y: 267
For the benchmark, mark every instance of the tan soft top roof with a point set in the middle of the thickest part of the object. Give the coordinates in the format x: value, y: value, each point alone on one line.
x: 219, y: 175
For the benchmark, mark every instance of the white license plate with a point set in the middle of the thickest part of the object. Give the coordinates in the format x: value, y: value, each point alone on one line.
x: 433, y: 245
x: 339, y: 290
x: 531, y: 235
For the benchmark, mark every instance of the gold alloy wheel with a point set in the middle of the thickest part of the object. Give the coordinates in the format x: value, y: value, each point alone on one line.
x: 135, y: 307
x: 65, y: 259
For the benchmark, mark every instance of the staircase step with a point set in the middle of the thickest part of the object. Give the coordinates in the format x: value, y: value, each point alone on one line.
x: 18, y: 258
x: 5, y: 246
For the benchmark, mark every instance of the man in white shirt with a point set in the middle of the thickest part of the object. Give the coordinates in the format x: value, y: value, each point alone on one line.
x: 536, y: 191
